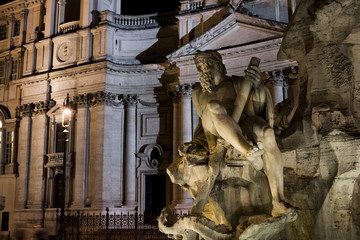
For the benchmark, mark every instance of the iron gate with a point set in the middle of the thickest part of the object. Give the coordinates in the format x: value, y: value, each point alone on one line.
x: 111, y: 226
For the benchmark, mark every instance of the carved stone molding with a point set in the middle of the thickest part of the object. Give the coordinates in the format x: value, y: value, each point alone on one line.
x: 108, y: 98
x: 36, y: 108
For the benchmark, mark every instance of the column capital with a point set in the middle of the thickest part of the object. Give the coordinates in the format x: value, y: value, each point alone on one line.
x: 131, y: 100
x: 185, y: 90
x: 278, y: 77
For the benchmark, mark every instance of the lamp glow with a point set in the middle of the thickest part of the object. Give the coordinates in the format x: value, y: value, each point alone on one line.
x: 66, y: 118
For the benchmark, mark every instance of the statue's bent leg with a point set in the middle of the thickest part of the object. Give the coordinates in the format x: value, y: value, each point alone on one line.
x: 225, y: 126
x: 273, y: 163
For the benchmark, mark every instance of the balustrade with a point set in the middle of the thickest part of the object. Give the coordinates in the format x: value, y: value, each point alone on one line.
x: 69, y: 26
x: 191, y: 6
x: 138, y: 22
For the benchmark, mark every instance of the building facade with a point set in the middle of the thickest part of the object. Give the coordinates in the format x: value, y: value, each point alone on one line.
x: 129, y: 78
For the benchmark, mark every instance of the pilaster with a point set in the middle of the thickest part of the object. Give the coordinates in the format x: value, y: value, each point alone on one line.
x: 96, y: 153
x: 130, y: 179
x: 113, y: 150
x: 182, y: 133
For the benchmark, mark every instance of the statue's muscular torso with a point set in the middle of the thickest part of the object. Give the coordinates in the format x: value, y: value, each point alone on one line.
x: 225, y: 95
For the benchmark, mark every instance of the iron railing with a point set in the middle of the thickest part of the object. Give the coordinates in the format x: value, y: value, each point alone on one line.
x: 107, y: 226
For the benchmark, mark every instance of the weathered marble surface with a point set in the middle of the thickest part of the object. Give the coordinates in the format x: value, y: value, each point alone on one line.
x: 321, y: 152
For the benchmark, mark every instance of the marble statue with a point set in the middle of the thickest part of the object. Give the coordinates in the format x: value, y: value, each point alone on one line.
x: 234, y: 141
x: 224, y: 104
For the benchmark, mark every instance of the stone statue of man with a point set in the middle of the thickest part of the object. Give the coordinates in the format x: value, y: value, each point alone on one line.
x: 232, y: 108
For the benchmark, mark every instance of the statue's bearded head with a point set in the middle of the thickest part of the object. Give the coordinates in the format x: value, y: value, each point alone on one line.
x: 206, y: 62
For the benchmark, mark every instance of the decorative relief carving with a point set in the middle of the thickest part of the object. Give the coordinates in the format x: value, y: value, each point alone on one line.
x: 108, y: 98
x: 29, y: 109
x: 65, y: 51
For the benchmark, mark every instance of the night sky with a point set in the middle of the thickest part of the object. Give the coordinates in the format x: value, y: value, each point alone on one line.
x: 132, y: 7
x: 137, y: 7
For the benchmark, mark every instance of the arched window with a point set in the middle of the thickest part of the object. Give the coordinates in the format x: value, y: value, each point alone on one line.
x: 7, y: 141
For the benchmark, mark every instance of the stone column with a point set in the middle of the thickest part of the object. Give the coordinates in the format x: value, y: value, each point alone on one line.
x: 278, y: 83
x: 28, y: 155
x: 97, y: 128
x: 129, y: 153
x: 50, y: 188
x: 50, y: 27
x: 184, y: 134
x: 82, y: 129
x: 61, y: 12
x: 277, y: 10
x: 86, y: 143
x: 38, y: 135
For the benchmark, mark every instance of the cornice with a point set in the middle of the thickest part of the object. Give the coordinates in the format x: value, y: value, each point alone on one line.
x: 62, y: 73
x: 135, y: 69
x: 232, y: 20
x: 191, y: 47
x: 241, y: 50
x: 35, y: 108
x: 19, y: 5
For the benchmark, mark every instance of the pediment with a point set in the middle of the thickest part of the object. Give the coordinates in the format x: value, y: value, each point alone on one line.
x: 235, y: 30
x: 55, y: 111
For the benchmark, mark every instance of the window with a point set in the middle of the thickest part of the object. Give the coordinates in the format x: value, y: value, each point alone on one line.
x: 60, y: 146
x: 2, y: 72
x: 17, y: 28
x: 72, y: 11
x: 3, y: 31
x: 14, y: 70
x: 9, y: 147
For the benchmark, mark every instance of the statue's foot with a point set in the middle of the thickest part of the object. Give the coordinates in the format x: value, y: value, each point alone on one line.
x: 281, y: 208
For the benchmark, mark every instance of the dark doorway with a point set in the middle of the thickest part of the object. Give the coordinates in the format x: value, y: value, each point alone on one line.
x: 5, y: 221
x: 58, y: 190
x: 155, y: 196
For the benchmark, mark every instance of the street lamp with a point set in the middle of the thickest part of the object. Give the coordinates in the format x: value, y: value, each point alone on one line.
x: 66, y: 122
